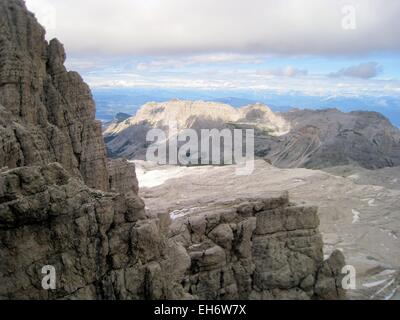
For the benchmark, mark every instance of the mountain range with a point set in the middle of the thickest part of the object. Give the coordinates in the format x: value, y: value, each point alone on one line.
x: 112, y: 100
x: 298, y: 138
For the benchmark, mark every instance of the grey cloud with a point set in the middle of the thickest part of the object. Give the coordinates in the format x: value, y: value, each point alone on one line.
x: 164, y: 27
x: 362, y: 71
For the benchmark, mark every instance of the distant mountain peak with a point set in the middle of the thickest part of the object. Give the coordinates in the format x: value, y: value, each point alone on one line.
x: 183, y: 112
x: 298, y: 138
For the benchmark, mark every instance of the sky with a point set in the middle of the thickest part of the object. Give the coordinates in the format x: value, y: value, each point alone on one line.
x: 314, y: 47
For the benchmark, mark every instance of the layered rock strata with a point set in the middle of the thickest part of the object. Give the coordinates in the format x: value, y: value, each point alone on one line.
x: 47, y: 114
x: 264, y: 248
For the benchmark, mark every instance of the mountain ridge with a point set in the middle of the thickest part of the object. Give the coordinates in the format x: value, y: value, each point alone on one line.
x: 297, y: 138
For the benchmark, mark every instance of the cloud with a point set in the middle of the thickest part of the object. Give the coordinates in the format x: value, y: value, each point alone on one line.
x: 246, y: 80
x: 287, y: 71
x: 160, y: 27
x: 197, y: 60
x: 362, y: 71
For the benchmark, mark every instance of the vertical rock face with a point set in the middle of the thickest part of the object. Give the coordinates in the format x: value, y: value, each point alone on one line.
x: 104, y: 245
x: 122, y: 177
x: 48, y: 217
x: 47, y: 113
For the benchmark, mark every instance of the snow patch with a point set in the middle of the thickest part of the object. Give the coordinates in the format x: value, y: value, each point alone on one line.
x: 375, y: 283
x: 155, y: 178
x: 386, y: 272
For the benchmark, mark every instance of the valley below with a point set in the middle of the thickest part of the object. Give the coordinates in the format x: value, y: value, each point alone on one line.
x: 359, y: 215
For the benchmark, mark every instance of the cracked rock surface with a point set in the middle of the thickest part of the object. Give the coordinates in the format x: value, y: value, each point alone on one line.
x: 47, y: 114
x: 105, y: 246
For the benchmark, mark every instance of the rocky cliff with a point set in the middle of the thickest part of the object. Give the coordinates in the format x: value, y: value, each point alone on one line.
x: 47, y: 113
x: 62, y: 204
x: 105, y: 246
x: 262, y: 248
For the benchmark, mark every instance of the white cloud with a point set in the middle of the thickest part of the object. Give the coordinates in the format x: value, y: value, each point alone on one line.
x: 288, y: 71
x: 241, y: 80
x: 163, y: 27
x: 362, y: 71
x: 198, y: 60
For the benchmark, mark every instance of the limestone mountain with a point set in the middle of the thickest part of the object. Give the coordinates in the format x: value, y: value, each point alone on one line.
x: 327, y: 138
x: 128, y: 138
x: 47, y: 113
x: 299, y: 138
